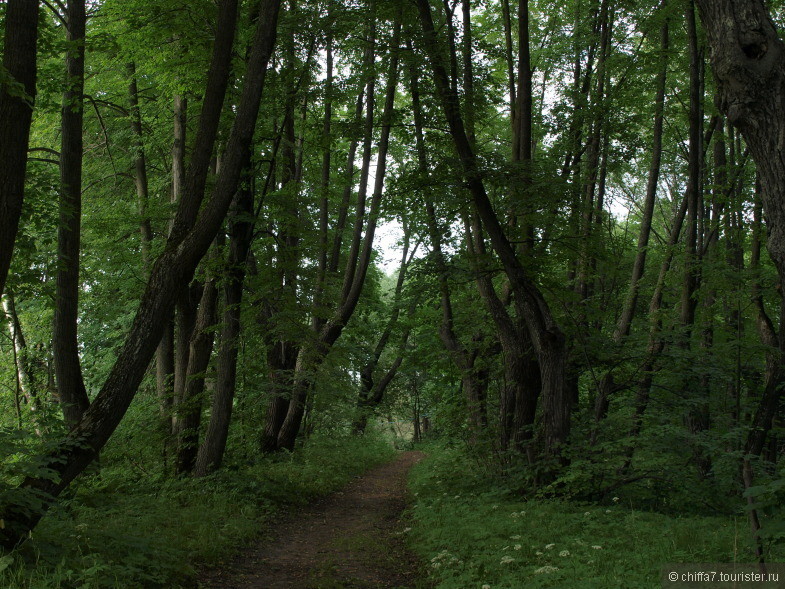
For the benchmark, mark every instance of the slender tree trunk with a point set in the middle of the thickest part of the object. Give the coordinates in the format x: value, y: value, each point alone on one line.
x: 165, y: 364
x: 697, y: 417
x: 324, y: 204
x: 461, y: 356
x: 372, y: 392
x: 16, y: 112
x: 68, y: 370
x: 25, y: 378
x: 656, y: 343
x: 240, y: 236
x: 190, y: 407
x: 140, y: 169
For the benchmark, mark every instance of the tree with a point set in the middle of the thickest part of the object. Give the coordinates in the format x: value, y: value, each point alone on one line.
x: 17, y: 96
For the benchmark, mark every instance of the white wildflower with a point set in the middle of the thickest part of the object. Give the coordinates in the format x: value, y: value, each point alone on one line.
x: 506, y: 560
x: 615, y: 499
x: 515, y: 537
x: 517, y: 547
x: 538, y: 553
x: 546, y: 569
x: 564, y: 553
x: 549, y: 546
x: 597, y: 547
x: 486, y: 587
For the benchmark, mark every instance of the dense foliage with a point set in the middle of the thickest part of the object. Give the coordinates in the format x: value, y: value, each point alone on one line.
x: 533, y: 230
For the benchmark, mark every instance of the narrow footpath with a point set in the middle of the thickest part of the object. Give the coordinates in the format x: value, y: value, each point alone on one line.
x: 353, y: 539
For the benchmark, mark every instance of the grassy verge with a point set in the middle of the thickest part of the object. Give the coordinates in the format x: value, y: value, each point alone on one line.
x: 126, y: 527
x: 475, y: 534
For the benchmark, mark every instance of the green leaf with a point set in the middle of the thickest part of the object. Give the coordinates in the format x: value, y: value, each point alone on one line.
x: 6, y: 562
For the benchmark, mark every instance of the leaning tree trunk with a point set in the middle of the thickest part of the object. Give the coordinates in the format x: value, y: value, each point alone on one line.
x: 461, y: 356
x: 174, y: 267
x: 190, y: 407
x: 16, y: 113
x: 240, y: 237
x: 622, y: 329
x: 371, y: 391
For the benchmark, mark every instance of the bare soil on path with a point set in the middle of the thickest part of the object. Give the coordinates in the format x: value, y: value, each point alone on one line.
x: 353, y: 539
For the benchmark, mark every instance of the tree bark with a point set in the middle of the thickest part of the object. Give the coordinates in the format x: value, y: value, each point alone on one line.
x: 190, y: 407
x: 461, y: 356
x: 622, y: 330
x: 371, y: 391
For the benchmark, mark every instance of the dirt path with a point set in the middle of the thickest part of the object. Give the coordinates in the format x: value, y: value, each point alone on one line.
x: 352, y: 539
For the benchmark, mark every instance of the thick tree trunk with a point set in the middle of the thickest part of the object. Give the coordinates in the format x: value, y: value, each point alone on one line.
x: 16, y: 112
x: 173, y: 268
x: 68, y: 370
x: 518, y: 403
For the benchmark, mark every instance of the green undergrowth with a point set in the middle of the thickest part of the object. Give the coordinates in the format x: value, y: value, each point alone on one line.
x: 475, y: 534
x: 125, y: 526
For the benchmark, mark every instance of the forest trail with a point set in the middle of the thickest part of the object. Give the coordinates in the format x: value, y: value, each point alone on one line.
x: 352, y: 539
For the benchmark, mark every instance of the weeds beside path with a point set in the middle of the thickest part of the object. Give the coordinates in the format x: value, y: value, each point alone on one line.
x: 351, y: 539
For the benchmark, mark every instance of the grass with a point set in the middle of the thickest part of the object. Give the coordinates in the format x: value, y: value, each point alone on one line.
x: 475, y: 534
x: 124, y: 528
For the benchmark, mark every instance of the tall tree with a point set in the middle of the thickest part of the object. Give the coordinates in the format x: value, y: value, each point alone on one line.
x: 70, y: 383
x: 547, y: 337
x: 17, y: 96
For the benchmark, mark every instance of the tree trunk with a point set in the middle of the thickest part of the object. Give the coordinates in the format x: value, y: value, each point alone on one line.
x: 372, y: 392
x: 189, y: 409
x: 622, y: 329
x: 240, y: 237
x: 461, y: 356
x: 16, y: 112
x: 68, y: 370
x: 165, y: 364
